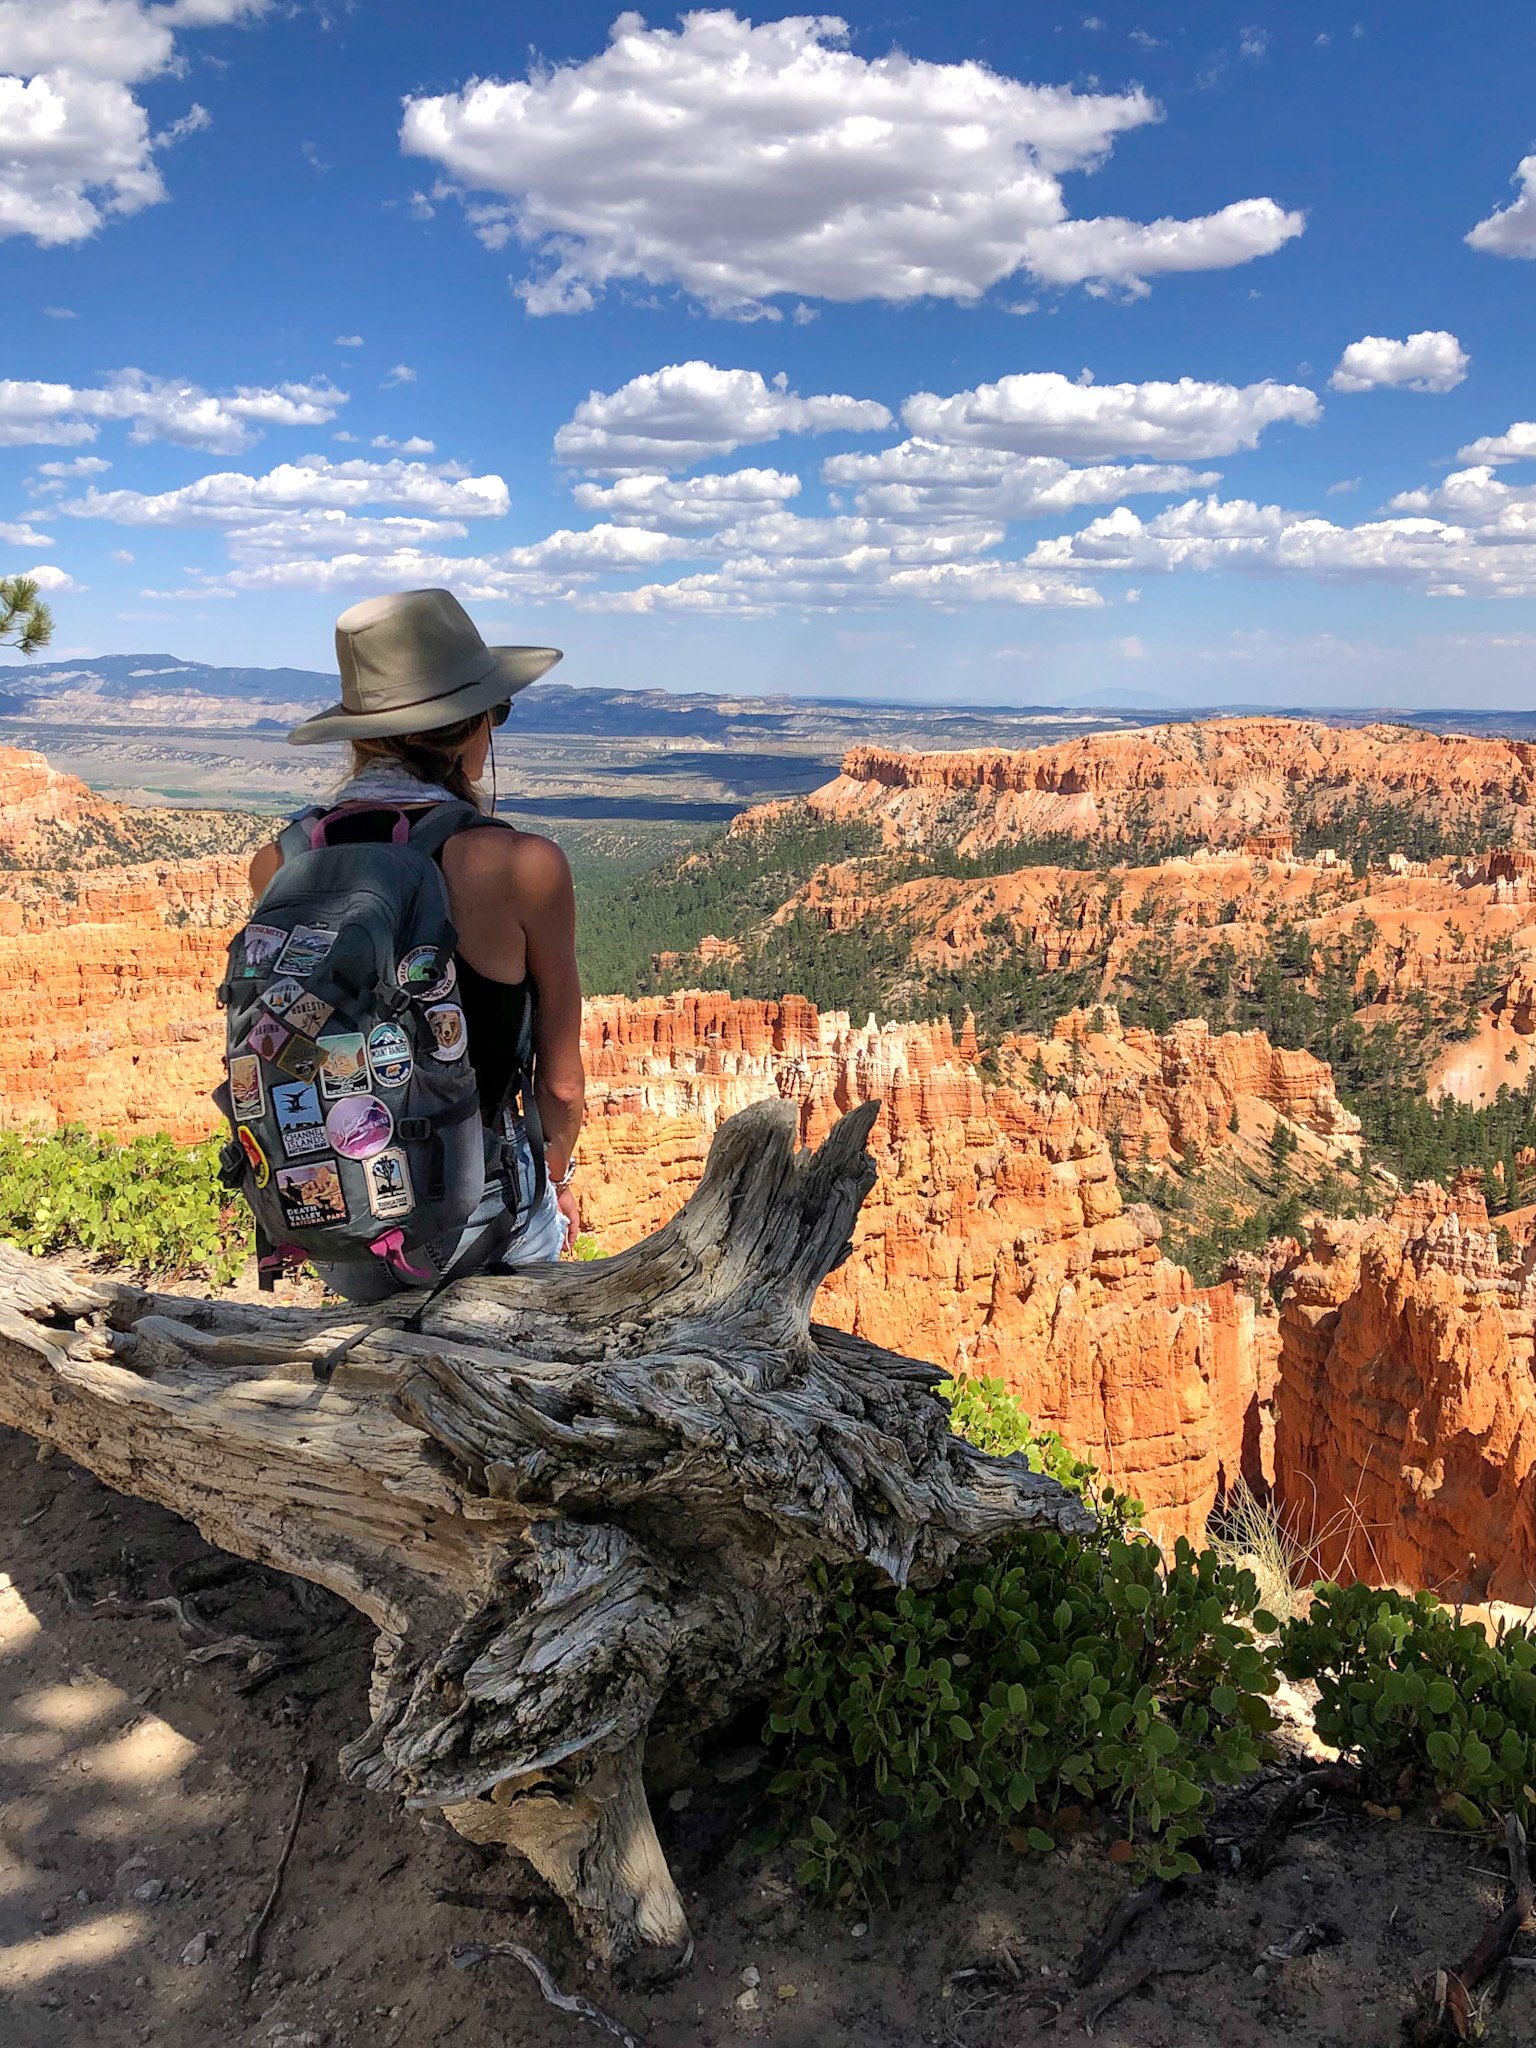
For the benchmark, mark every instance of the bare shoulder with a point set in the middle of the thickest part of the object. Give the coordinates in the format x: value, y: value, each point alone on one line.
x: 534, y: 866
x: 264, y: 865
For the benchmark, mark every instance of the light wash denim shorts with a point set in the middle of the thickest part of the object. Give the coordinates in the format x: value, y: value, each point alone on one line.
x: 540, y: 1239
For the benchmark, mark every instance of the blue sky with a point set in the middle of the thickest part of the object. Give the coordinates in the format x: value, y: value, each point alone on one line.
x: 753, y: 355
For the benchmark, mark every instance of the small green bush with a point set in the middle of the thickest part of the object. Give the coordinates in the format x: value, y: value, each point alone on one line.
x: 987, y: 1415
x: 151, y: 1204
x: 1055, y: 1671
x: 1403, y: 1683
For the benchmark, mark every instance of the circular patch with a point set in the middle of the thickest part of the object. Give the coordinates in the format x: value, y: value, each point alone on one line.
x: 359, y: 1126
x: 417, y: 975
x: 389, y: 1056
x: 450, y: 1032
x: 251, y: 1147
x: 282, y: 993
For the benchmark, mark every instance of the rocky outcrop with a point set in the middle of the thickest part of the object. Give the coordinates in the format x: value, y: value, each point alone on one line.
x: 1222, y: 781
x: 995, y: 1241
x: 1177, y: 1093
x: 1406, y: 1438
x: 107, y: 1015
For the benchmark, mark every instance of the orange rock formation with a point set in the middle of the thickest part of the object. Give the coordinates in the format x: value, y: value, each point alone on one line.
x: 1406, y: 1436
x: 996, y: 1241
x: 1220, y: 781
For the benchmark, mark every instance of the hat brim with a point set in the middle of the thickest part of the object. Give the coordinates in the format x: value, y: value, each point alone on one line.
x: 515, y: 668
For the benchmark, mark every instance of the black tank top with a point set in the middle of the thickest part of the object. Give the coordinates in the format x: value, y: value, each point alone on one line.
x: 493, y: 1021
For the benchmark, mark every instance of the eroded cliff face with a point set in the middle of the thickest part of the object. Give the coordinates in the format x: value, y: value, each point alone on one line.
x: 107, y: 1013
x: 1406, y: 1439
x: 996, y: 1240
x: 1167, y: 1096
x: 1221, y: 781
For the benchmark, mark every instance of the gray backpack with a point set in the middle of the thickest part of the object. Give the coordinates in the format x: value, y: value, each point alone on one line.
x: 355, y: 1111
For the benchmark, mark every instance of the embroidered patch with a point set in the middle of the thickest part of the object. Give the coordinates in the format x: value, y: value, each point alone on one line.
x: 389, y: 1185
x: 449, y: 1030
x: 299, y: 1117
x: 346, y: 1070
x: 311, y: 1195
x: 417, y: 974
x: 359, y: 1127
x: 268, y: 1037
x: 308, y: 1014
x: 389, y: 1055
x: 281, y: 994
x: 261, y: 1173
x: 246, y: 1096
x: 301, y: 1057
x: 261, y: 943
x: 307, y: 946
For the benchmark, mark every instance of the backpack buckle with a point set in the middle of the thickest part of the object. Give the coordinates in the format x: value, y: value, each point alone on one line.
x: 415, y: 1130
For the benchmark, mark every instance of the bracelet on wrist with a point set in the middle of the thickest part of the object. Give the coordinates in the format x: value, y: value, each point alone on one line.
x: 561, y: 1183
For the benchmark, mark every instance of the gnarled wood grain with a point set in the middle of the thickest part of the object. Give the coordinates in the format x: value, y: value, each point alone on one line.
x: 579, y: 1504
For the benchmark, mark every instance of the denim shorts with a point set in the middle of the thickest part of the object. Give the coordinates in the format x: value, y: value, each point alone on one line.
x: 540, y: 1238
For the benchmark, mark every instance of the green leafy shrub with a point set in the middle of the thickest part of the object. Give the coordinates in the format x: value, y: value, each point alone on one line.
x: 1403, y: 1683
x: 151, y: 1204
x: 1055, y: 1671
x: 988, y: 1415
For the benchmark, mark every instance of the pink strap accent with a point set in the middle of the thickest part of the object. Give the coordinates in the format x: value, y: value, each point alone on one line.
x: 400, y: 831
x: 282, y: 1255
x: 391, y: 1249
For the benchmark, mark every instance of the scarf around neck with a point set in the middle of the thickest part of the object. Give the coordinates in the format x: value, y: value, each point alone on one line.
x: 386, y: 783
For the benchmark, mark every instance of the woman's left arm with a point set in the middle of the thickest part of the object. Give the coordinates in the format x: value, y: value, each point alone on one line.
x: 547, y: 902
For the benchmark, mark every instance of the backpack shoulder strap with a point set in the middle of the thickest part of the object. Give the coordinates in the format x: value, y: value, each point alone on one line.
x: 432, y: 832
x: 294, y: 837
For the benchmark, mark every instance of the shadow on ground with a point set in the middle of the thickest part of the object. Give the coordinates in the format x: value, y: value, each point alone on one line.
x: 144, y: 1798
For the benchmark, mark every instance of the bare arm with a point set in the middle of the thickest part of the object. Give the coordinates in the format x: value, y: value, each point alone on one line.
x: 263, y: 867
x: 515, y: 909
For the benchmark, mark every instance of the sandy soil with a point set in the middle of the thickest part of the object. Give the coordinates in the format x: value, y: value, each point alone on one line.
x: 144, y: 1798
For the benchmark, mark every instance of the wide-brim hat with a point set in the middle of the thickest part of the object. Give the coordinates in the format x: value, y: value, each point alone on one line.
x: 412, y: 662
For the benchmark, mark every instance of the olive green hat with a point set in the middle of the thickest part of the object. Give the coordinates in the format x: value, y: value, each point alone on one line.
x: 414, y: 661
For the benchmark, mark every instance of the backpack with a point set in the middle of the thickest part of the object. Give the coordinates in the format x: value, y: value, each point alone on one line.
x: 355, y: 1112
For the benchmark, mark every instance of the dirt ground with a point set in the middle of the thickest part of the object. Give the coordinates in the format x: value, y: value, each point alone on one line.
x: 144, y: 1799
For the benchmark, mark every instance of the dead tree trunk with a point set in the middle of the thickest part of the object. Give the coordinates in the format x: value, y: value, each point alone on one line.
x: 579, y: 1506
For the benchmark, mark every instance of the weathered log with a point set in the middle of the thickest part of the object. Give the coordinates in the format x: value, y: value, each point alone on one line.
x: 579, y: 1504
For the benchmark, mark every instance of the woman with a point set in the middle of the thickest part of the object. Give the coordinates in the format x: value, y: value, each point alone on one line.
x: 421, y: 697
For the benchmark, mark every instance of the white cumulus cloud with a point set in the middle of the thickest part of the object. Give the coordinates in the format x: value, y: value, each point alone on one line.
x: 689, y: 412
x: 700, y: 504
x: 926, y: 480
x: 1511, y: 230
x: 1518, y: 445
x: 47, y: 576
x: 1430, y: 361
x: 743, y: 161
x: 1041, y: 412
x: 1112, y: 254
x: 230, y: 498
x: 1486, y: 546
x: 75, y: 143
x: 159, y: 409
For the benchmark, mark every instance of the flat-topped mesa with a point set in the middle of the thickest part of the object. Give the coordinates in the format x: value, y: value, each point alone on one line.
x: 1223, y: 781
x: 581, y: 1506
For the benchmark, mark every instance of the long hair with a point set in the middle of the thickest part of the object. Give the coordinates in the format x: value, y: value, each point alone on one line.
x: 429, y: 756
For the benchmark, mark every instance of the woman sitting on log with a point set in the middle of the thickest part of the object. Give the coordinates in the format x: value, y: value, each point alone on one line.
x: 421, y: 697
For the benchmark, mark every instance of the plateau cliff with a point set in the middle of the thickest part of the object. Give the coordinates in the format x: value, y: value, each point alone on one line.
x: 1221, y: 781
